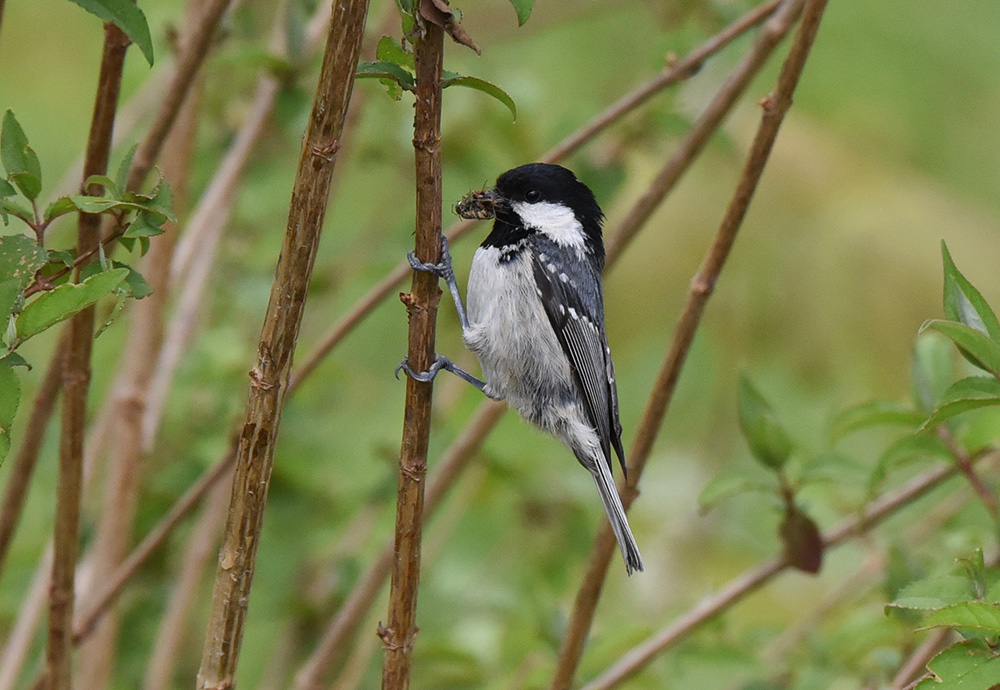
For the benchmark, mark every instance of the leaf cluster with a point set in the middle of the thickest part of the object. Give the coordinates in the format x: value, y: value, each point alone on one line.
x: 35, y: 291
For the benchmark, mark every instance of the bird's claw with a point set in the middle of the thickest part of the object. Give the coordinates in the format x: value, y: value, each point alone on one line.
x: 442, y: 269
x: 423, y: 376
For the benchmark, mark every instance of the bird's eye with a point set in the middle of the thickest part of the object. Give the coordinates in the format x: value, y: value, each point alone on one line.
x: 532, y: 195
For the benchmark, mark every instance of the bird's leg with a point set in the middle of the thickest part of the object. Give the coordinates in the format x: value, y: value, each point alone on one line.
x: 444, y: 270
x: 442, y: 362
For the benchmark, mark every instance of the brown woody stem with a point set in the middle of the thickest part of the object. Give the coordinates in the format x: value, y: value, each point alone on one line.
x: 269, y: 377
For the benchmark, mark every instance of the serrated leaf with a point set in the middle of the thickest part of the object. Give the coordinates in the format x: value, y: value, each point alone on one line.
x: 135, y: 285
x: 965, y: 394
x: 973, y: 615
x: 6, y: 190
x: 802, y: 541
x: 974, y: 345
x: 13, y: 143
x: 10, y: 396
x: 726, y: 486
x: 768, y: 441
x: 452, y: 79
x: 933, y: 593
x: 62, y: 302
x: 381, y: 69
x: 121, y: 176
x: 109, y: 185
x: 967, y: 665
x: 20, y: 257
x: 523, y: 10
x: 59, y: 207
x: 874, y: 413
x: 145, y: 225
x: 388, y: 50
x: 964, y: 303
x: 127, y: 16
x: 933, y: 369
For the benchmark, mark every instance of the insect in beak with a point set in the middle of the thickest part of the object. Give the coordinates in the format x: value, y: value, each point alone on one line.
x: 480, y: 205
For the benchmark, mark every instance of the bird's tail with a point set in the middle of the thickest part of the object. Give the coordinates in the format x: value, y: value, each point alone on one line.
x: 616, y: 516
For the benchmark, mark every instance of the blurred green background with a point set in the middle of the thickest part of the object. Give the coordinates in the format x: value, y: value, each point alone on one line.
x: 891, y: 147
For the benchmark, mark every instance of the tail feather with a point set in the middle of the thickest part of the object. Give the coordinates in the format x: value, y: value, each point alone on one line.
x: 616, y: 516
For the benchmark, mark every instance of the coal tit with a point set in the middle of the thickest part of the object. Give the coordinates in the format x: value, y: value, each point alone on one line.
x: 535, y: 319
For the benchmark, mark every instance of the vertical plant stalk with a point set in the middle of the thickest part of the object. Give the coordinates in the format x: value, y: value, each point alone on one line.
x: 128, y: 401
x: 702, y: 286
x: 269, y: 377
x: 76, y: 380
x: 421, y: 303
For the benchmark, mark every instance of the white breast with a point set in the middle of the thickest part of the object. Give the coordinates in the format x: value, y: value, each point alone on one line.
x: 510, y: 332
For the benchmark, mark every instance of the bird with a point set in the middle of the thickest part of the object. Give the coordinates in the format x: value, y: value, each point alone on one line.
x: 535, y: 320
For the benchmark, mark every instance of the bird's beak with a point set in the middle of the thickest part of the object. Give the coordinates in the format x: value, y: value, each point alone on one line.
x: 481, y: 205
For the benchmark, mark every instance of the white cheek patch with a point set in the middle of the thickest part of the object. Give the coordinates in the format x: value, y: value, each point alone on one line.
x: 555, y: 221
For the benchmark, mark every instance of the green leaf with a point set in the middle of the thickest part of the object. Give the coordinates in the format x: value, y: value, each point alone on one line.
x: 127, y: 16
x: 121, y: 177
x: 932, y: 371
x: 135, y: 285
x: 967, y: 665
x: 10, y: 396
x: 405, y: 6
x: 973, y: 615
x: 13, y: 359
x: 145, y: 225
x: 933, y: 593
x: 768, y: 441
x: 726, y: 486
x: 19, y: 159
x: 59, y: 207
x: 452, y: 79
x: 964, y: 303
x: 381, y: 69
x: 874, y: 413
x: 110, y: 186
x: 803, y: 543
x: 6, y: 190
x: 966, y: 394
x: 388, y: 50
x: 974, y: 345
x: 9, y: 290
x: 523, y: 9
x: 64, y: 301
x: 20, y: 257
x: 15, y: 208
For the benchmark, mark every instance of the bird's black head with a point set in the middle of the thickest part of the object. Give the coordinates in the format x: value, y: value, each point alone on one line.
x: 546, y: 199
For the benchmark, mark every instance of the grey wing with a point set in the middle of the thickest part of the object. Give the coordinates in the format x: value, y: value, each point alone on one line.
x: 577, y: 320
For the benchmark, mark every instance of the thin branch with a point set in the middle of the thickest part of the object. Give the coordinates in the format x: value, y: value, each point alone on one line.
x: 23, y: 466
x: 399, y: 633
x: 682, y: 627
x: 76, y: 379
x: 916, y: 665
x: 773, y: 31
x: 269, y: 377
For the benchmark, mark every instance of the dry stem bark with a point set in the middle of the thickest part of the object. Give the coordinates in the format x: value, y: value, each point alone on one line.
x: 76, y: 380
x: 269, y: 377
x: 400, y: 630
